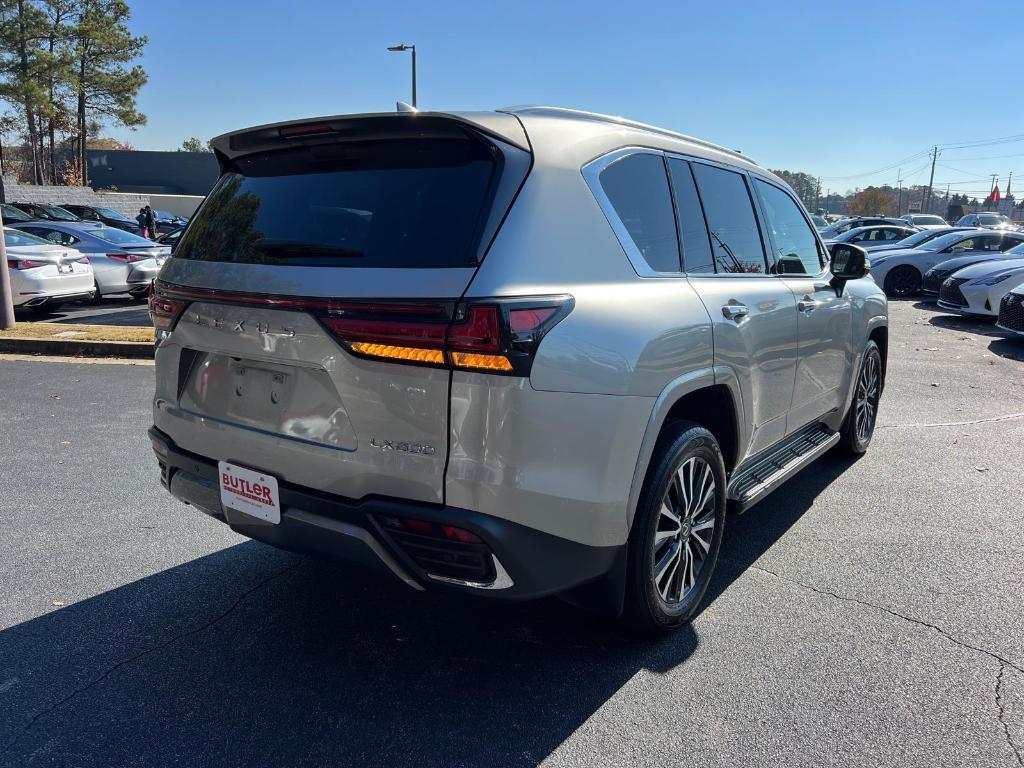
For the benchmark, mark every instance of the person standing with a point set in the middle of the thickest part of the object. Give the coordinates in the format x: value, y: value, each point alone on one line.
x: 141, y: 218
x: 151, y: 222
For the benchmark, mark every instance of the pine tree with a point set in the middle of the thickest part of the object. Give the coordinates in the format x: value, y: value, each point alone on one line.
x: 105, y: 85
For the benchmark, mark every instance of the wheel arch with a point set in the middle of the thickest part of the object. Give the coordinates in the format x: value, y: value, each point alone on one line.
x: 705, y: 397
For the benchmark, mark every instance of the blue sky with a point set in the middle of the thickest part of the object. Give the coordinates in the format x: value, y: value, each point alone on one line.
x: 829, y: 88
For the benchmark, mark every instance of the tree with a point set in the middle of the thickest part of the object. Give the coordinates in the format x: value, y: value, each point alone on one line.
x: 22, y: 28
x: 104, y: 85
x: 873, y: 200
x: 193, y: 144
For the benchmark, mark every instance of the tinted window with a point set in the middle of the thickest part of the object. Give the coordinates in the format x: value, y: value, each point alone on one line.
x: 697, y: 258
x: 13, y: 237
x: 55, y: 236
x: 734, y: 234
x: 119, y: 236
x: 796, y: 247
x: 370, y: 204
x: 637, y: 188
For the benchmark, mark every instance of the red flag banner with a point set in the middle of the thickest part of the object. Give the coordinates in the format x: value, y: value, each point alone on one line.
x: 994, y: 197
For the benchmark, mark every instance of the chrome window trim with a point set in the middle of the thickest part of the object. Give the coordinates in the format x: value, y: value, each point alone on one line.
x: 592, y: 175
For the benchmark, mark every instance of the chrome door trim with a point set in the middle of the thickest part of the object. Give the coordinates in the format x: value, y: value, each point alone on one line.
x: 592, y: 174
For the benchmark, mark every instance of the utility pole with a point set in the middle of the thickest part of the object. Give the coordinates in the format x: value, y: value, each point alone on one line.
x: 828, y: 194
x: 927, y: 207
x: 899, y: 186
x: 817, y: 195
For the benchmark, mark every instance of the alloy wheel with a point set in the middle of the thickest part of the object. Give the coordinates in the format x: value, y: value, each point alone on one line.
x: 866, y: 403
x: 904, y: 281
x: 684, y: 531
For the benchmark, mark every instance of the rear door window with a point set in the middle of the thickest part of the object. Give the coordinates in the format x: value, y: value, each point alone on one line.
x: 693, y: 232
x: 396, y: 203
x: 735, y: 237
x: 637, y: 188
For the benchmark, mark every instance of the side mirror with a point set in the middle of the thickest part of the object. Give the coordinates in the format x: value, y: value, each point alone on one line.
x: 849, y: 262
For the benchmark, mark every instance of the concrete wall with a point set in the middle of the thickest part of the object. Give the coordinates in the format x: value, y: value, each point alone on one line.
x: 179, y: 205
x: 128, y: 204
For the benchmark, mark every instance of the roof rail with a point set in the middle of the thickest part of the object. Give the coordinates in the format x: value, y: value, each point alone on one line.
x: 597, y: 116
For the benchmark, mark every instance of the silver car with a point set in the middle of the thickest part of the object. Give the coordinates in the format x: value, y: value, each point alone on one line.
x: 121, y: 261
x: 514, y: 353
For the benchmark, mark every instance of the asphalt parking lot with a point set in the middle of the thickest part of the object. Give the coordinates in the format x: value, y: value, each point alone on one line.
x: 866, y: 614
x: 112, y: 310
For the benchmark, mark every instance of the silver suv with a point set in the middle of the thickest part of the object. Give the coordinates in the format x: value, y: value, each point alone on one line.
x: 514, y: 353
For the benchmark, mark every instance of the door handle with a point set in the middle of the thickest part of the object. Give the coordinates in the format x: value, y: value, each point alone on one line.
x: 806, y: 305
x: 735, y: 311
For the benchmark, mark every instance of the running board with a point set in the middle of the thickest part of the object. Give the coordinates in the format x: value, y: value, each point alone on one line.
x: 766, y: 474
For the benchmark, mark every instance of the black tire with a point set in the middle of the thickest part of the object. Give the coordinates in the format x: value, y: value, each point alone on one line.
x: 855, y: 435
x: 646, y: 609
x: 902, y: 281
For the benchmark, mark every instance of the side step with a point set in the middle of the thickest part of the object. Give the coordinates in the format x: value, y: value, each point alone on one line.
x: 767, y: 472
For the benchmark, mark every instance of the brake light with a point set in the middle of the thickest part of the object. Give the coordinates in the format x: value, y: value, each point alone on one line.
x: 492, y: 335
x: 128, y: 258
x: 84, y: 260
x: 309, y: 129
x: 24, y: 264
x: 164, y: 311
x: 436, y: 530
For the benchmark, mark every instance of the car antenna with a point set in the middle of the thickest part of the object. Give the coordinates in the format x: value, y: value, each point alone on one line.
x: 402, y: 106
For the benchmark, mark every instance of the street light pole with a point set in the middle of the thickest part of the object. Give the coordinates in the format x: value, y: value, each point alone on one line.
x: 6, y: 300
x: 404, y: 47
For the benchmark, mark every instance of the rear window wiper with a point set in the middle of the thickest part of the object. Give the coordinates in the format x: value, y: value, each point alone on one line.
x: 301, y: 247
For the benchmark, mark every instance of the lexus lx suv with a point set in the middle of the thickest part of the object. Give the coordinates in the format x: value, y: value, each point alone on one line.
x: 515, y: 353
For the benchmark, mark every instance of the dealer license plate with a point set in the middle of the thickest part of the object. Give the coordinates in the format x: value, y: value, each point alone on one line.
x: 250, y: 492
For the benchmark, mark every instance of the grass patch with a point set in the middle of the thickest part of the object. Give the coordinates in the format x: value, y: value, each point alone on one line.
x: 62, y: 331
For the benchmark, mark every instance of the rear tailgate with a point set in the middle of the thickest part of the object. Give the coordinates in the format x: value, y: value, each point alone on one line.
x: 384, y: 219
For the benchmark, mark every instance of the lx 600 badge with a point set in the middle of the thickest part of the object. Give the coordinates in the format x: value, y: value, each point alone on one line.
x: 392, y: 445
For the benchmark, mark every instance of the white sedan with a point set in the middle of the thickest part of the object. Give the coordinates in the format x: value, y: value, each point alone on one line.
x: 978, y: 289
x: 43, y: 275
x: 900, y: 271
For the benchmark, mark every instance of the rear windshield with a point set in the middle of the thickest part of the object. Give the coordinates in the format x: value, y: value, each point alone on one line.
x: 120, y: 237
x: 366, y: 204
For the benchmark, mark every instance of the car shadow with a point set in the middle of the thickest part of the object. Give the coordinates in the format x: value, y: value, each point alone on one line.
x: 1012, y: 348
x: 251, y: 656
x: 979, y: 324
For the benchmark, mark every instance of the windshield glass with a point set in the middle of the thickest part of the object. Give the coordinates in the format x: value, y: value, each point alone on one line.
x: 385, y: 204
x: 110, y: 213
x: 939, y: 243
x: 59, y: 213
x: 10, y: 213
x: 988, y: 219
x: 13, y: 237
x: 928, y: 220
x: 119, y: 237
x: 918, y: 238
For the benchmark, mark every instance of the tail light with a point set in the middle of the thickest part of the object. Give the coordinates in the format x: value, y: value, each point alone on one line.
x: 489, y: 335
x: 495, y: 336
x: 164, y: 311
x: 24, y: 264
x: 127, y: 258
x: 84, y: 260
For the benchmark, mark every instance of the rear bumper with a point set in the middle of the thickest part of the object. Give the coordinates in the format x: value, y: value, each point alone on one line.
x: 524, y: 563
x: 64, y: 298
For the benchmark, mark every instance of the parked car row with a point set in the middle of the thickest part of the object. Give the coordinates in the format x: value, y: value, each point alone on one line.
x: 967, y: 270
x: 95, y: 214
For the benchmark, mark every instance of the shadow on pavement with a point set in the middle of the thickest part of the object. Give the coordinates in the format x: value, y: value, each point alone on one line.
x: 1010, y: 347
x: 985, y: 326
x: 255, y: 657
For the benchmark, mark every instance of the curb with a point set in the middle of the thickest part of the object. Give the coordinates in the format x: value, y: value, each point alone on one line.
x: 79, y: 348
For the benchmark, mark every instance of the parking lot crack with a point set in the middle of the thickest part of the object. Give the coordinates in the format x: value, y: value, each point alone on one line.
x: 1001, y: 706
x: 925, y: 425
x: 153, y: 649
x: 891, y: 612
x: 1004, y: 663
